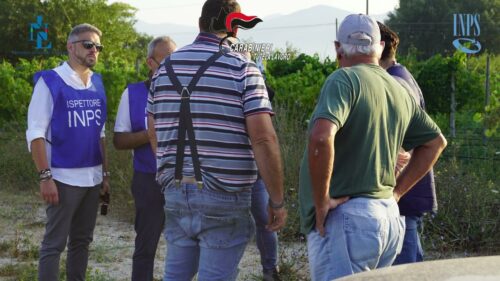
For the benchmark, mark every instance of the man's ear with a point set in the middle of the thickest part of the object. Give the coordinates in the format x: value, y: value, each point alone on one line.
x: 337, y: 50
x: 150, y: 62
x: 69, y: 46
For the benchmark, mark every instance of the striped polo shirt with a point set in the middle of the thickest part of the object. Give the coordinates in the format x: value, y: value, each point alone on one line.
x: 230, y: 90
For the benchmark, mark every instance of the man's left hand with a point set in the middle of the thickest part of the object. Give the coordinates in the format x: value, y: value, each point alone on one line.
x: 322, y: 212
x: 105, y: 185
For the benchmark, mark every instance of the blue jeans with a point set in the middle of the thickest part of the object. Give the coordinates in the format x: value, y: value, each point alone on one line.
x: 206, y: 232
x: 360, y: 235
x: 267, y: 241
x: 412, y: 249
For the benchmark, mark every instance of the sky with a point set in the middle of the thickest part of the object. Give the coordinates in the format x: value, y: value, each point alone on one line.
x: 187, y: 12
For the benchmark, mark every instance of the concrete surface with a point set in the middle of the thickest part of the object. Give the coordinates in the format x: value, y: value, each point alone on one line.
x: 463, y: 269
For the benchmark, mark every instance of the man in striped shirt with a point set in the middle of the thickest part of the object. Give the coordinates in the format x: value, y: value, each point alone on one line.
x: 210, y: 126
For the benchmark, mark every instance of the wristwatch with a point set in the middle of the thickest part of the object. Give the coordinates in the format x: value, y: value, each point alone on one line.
x: 276, y: 205
x: 45, y: 175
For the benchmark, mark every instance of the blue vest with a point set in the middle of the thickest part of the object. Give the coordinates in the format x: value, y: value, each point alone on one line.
x: 77, y: 120
x: 422, y: 197
x: 144, y: 158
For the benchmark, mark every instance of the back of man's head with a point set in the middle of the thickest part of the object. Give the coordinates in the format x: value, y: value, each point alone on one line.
x: 214, y: 13
x: 160, y: 40
x: 391, y: 40
x: 359, y: 35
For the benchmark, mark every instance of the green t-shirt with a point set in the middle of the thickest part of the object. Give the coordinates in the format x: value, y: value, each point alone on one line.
x: 375, y: 116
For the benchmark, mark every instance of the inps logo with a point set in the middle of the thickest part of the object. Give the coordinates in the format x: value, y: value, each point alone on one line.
x: 466, y: 26
x: 39, y: 33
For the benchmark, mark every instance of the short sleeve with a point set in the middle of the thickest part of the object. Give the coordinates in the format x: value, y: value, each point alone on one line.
x: 335, y: 101
x: 255, y: 98
x: 122, y: 123
x: 420, y: 130
x: 151, y: 96
x: 39, y: 112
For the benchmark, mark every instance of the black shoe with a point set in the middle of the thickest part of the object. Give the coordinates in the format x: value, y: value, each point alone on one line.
x: 271, y: 275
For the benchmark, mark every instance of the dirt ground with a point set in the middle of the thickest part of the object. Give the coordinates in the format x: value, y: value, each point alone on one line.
x: 22, y: 220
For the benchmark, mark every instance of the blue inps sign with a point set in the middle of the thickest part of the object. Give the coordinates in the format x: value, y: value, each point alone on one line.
x: 39, y: 32
x: 466, y: 27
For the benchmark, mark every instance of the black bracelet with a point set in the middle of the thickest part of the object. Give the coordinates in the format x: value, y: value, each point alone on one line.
x: 45, y: 175
x: 276, y: 206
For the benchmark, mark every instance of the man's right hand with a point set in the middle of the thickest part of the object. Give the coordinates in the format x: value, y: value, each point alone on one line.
x: 48, y: 192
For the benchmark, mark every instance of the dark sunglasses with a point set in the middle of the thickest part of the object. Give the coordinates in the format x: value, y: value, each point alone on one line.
x: 87, y: 44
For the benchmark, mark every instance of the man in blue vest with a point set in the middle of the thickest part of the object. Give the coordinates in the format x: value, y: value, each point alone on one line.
x: 131, y: 133
x: 66, y: 118
x: 422, y: 197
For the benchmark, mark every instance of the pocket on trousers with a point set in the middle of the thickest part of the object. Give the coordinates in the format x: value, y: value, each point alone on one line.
x: 221, y: 231
x: 173, y: 230
x: 364, y: 236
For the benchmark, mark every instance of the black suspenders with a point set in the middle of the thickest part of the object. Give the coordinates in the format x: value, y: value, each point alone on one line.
x: 186, y: 120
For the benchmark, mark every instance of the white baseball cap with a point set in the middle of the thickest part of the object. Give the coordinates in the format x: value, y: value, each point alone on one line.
x: 358, y: 29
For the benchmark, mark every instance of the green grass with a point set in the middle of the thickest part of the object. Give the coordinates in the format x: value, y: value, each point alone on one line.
x: 8, y: 270
x: 103, y: 254
x: 291, y: 130
x: 468, y: 193
x: 292, y: 261
x: 469, y: 209
x: 29, y: 272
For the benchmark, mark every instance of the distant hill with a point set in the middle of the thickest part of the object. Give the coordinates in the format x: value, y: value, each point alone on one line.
x: 310, y: 30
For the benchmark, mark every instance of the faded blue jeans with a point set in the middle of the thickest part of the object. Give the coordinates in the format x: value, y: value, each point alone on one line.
x: 206, y: 232
x: 412, y: 248
x: 267, y: 241
x: 360, y: 235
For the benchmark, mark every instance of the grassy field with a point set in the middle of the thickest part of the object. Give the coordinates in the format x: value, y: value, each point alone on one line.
x: 467, y: 223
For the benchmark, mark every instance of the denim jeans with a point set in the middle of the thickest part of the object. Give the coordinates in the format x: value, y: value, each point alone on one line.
x: 412, y: 249
x: 206, y: 232
x: 267, y: 241
x: 360, y: 235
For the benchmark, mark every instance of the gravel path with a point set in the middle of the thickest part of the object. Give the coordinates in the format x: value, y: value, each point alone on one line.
x: 22, y: 226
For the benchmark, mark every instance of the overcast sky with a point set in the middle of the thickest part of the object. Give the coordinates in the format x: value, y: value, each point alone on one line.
x: 187, y: 12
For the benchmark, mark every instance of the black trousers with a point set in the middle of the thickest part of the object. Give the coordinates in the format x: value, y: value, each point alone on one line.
x: 149, y: 220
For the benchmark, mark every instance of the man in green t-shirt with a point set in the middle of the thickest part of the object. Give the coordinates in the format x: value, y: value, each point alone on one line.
x: 348, y: 191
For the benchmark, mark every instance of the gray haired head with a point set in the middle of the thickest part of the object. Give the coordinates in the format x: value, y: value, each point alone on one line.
x: 82, y: 28
x: 160, y: 39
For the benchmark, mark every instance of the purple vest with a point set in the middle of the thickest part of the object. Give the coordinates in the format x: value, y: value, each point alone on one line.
x: 144, y: 158
x: 422, y: 197
x: 77, y: 120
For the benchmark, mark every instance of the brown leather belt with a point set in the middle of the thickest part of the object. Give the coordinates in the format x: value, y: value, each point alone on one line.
x: 189, y: 180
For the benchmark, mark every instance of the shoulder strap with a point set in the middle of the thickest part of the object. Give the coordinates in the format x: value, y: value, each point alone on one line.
x: 175, y: 81
x: 185, y: 118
